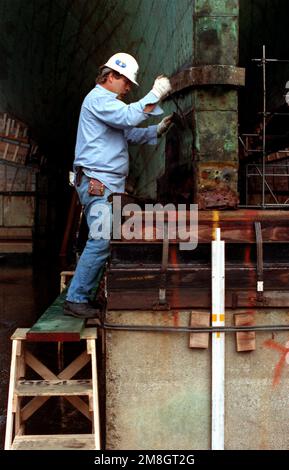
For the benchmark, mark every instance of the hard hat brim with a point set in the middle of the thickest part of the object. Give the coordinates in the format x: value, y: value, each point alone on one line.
x: 133, y: 81
x: 116, y: 70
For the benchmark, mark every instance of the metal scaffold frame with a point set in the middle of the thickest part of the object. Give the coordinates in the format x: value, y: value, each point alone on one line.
x: 254, y: 169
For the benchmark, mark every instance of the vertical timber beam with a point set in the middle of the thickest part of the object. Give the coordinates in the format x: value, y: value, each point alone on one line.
x: 216, y: 107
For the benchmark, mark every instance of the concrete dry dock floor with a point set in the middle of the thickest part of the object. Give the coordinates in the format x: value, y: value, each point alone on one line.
x: 25, y: 291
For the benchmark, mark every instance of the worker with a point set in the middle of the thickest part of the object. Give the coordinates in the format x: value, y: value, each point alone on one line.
x: 106, y: 126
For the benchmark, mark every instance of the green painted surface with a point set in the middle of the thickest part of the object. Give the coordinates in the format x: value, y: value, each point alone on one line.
x: 216, y: 40
x: 214, y: 99
x: 217, y: 136
x: 165, y: 29
x: 53, y: 320
x: 216, y: 7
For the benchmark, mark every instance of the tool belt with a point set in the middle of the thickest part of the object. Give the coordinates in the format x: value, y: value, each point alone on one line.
x: 95, y: 187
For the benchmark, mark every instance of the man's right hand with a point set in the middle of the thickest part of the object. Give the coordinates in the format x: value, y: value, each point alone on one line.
x: 161, y: 87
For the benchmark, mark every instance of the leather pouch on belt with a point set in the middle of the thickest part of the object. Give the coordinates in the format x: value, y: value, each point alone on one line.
x: 95, y: 187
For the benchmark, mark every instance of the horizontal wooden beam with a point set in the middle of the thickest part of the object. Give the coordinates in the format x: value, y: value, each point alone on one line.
x: 16, y: 233
x: 237, y: 226
x: 179, y: 277
x: 191, y: 298
x: 13, y: 246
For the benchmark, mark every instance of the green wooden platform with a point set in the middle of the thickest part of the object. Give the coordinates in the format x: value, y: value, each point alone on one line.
x: 53, y: 325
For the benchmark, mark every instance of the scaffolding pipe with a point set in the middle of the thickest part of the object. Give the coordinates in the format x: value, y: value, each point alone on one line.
x: 264, y: 126
x: 218, y: 343
x: 263, y: 61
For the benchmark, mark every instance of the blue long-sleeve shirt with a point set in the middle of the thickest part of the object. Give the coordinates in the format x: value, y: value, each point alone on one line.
x: 106, y: 126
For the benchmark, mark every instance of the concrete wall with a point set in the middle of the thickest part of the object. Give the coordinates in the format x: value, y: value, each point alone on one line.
x: 159, y: 390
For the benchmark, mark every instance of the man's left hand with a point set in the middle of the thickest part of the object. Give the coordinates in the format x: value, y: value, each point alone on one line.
x: 164, y: 125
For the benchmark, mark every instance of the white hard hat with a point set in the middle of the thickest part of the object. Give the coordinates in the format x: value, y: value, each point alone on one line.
x: 125, y: 64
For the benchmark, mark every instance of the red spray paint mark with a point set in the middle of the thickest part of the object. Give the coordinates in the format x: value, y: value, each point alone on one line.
x: 176, y: 318
x: 284, y: 357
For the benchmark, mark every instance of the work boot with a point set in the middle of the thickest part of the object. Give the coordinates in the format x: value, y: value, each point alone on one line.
x: 79, y: 310
x: 97, y: 304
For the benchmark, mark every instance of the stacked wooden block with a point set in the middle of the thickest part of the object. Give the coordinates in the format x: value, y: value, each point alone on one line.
x: 17, y: 185
x: 15, y: 145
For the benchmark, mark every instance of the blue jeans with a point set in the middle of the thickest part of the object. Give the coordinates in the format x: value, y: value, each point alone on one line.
x: 97, y: 211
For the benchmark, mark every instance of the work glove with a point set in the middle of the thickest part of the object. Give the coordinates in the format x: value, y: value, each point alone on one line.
x: 164, y: 125
x: 161, y: 87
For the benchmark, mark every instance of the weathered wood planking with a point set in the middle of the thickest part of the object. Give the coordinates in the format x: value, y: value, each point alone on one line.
x: 57, y: 442
x: 195, y: 298
x: 236, y: 227
x: 275, y: 277
x: 38, y: 388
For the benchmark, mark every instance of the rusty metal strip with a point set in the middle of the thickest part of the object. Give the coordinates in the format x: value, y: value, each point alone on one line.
x: 208, y: 75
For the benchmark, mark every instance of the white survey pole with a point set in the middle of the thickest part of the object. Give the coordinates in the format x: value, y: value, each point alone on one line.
x: 218, y: 343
